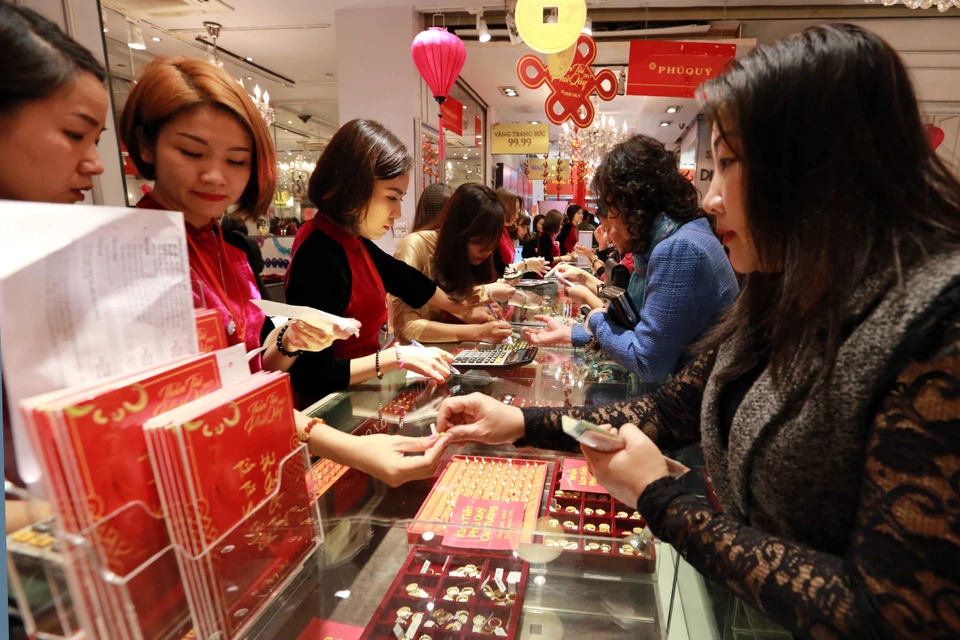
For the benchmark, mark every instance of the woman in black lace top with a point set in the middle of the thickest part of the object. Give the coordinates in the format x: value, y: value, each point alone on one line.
x: 827, y: 402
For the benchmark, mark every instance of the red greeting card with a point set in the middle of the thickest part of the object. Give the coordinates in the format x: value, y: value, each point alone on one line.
x: 474, y: 522
x: 577, y: 477
x: 325, y: 630
x: 210, y: 333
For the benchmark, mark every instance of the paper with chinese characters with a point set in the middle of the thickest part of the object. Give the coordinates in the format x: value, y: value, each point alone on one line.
x: 87, y: 293
x: 577, y: 477
x: 474, y: 524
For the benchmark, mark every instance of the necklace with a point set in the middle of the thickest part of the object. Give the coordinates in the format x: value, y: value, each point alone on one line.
x: 231, y: 327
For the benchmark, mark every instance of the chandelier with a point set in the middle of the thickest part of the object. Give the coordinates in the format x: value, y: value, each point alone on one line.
x: 587, y: 147
x: 941, y: 5
x: 293, y: 176
x: 263, y: 105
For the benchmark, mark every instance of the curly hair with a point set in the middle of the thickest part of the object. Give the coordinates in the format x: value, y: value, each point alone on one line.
x: 641, y: 179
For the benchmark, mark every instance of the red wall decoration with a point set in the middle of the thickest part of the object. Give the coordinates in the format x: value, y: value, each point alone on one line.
x: 570, y: 95
x: 674, y: 69
x: 452, y: 113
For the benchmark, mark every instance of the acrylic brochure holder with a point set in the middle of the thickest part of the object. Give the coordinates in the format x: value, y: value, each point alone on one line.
x: 222, y: 591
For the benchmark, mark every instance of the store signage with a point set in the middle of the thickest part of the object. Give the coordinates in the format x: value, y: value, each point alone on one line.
x: 569, y: 98
x: 452, y: 112
x: 674, y: 69
x: 474, y: 522
x: 521, y: 139
x: 577, y: 477
x: 546, y: 169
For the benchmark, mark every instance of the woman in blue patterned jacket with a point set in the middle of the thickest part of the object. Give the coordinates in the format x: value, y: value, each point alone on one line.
x: 682, y: 280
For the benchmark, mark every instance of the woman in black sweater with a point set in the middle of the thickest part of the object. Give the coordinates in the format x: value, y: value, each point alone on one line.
x: 357, y: 187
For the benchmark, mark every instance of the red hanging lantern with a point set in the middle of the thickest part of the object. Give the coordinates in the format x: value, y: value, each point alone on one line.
x: 439, y: 56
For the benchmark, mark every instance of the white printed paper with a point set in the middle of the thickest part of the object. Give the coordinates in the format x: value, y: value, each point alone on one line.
x: 339, y: 327
x: 87, y: 293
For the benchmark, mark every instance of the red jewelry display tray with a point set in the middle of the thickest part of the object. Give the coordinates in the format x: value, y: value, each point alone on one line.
x: 434, y: 585
x: 438, y: 507
x: 585, y: 556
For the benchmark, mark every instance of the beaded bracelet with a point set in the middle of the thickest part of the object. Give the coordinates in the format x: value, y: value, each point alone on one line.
x: 289, y: 354
x: 399, y: 359
x: 379, y: 373
x: 304, y: 435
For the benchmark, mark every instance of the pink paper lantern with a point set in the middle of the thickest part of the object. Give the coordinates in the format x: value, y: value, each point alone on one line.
x: 439, y: 56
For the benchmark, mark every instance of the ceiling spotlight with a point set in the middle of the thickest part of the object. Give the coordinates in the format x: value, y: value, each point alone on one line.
x: 534, y: 122
x: 665, y: 123
x: 588, y: 27
x: 482, y: 29
x: 510, y: 92
x: 673, y: 109
x: 248, y: 59
x: 135, y: 37
x: 249, y: 77
x: 103, y: 20
x: 289, y: 121
x: 155, y: 39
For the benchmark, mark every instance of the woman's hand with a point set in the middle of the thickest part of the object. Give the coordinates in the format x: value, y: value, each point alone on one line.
x: 480, y: 313
x: 383, y: 456
x: 627, y: 473
x: 500, y: 291
x: 431, y: 362
x: 479, y: 418
x: 554, y: 333
x: 536, y: 265
x: 583, y: 295
x: 571, y: 273
x: 494, y: 332
x: 585, y: 252
x: 601, y: 235
x: 301, y: 336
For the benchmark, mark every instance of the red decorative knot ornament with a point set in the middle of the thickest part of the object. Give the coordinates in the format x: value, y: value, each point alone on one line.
x: 570, y: 95
x: 439, y: 56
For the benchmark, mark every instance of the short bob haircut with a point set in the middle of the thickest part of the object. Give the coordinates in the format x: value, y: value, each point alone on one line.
x: 38, y: 58
x: 473, y: 214
x: 359, y: 153
x: 169, y: 87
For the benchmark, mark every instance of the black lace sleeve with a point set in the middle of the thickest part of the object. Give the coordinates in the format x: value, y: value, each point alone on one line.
x: 670, y: 416
x: 901, y: 576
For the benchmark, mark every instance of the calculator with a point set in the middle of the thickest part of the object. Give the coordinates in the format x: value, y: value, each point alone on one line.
x: 500, y: 357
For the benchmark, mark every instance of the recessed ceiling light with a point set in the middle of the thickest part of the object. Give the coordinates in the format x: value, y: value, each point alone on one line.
x: 510, y: 92
x: 155, y: 39
x: 673, y: 109
x: 665, y: 123
x: 249, y: 59
x: 249, y: 77
x: 534, y: 122
x: 289, y: 121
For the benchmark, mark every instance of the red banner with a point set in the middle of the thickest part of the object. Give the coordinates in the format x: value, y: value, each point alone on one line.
x: 452, y: 112
x: 478, y: 131
x: 674, y: 69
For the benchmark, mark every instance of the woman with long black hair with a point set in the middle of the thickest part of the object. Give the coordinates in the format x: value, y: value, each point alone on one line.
x: 826, y: 400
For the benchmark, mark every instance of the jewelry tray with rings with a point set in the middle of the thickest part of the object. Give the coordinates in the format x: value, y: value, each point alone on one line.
x: 584, y: 520
x: 509, y: 480
x: 452, y: 595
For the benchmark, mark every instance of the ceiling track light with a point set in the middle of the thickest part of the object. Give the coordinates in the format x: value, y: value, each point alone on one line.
x: 135, y: 36
x: 588, y: 27
x: 484, y: 33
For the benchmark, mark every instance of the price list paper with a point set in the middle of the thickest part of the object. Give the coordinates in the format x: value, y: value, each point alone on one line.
x: 478, y: 523
x: 577, y: 477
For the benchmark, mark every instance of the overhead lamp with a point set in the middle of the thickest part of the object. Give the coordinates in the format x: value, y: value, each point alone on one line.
x: 135, y: 37
x: 622, y: 83
x: 248, y: 59
x: 510, y: 92
x: 665, y: 123
x: 155, y: 39
x: 673, y: 109
x: 534, y: 122
x: 103, y: 20
x: 588, y: 27
x: 482, y: 29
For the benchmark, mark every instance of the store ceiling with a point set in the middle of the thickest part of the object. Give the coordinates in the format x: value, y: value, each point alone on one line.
x: 296, y: 39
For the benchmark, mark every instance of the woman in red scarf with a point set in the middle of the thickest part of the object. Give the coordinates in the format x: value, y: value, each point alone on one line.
x: 190, y: 127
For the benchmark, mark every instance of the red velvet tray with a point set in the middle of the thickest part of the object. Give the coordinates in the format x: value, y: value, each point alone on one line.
x: 438, y: 506
x: 584, y: 555
x: 434, y: 585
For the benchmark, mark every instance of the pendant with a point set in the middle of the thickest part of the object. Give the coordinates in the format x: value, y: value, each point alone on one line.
x: 231, y: 327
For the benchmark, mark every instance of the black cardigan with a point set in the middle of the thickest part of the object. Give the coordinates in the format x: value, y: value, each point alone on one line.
x: 320, y: 277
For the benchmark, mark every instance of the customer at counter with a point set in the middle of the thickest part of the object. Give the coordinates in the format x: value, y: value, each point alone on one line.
x: 190, y: 127
x: 357, y: 186
x: 825, y: 402
x: 455, y: 250
x: 681, y: 280
x: 567, y: 238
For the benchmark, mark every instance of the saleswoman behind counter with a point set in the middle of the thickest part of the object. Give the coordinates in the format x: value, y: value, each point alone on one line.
x: 357, y: 187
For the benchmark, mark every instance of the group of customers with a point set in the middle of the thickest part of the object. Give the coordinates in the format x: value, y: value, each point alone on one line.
x: 799, y: 321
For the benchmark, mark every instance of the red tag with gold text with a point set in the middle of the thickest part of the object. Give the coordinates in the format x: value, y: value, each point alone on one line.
x: 475, y: 520
x: 577, y: 477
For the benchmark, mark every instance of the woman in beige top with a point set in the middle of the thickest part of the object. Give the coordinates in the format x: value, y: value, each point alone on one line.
x: 455, y: 250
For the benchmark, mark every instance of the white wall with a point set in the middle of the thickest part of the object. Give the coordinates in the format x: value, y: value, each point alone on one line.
x: 378, y: 80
